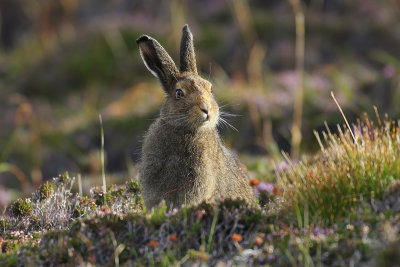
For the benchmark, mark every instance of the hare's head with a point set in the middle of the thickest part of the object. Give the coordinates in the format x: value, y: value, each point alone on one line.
x: 189, y: 100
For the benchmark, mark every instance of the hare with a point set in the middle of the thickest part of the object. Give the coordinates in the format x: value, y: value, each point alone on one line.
x: 184, y: 159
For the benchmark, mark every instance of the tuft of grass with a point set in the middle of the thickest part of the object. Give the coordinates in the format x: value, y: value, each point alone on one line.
x: 346, y: 171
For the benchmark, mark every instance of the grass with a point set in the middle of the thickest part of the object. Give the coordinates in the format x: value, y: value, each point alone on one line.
x: 346, y: 170
x: 338, y: 207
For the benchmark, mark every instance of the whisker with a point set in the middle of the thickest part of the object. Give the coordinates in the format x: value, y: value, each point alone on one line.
x: 224, y: 106
x: 221, y: 123
x: 223, y: 113
x: 209, y: 74
x: 228, y: 124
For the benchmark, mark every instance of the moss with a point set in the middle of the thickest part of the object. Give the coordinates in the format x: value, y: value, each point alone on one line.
x: 8, y: 260
x: 77, y: 213
x: 252, y: 216
x: 86, y: 202
x: 65, y: 178
x: 390, y: 255
x: 159, y: 215
x: 35, y: 236
x: 76, y: 243
x: 45, y: 190
x: 3, y: 224
x: 34, y: 222
x: 128, y: 194
x: 8, y: 245
x: 134, y: 186
x: 85, y: 205
x: 22, y: 207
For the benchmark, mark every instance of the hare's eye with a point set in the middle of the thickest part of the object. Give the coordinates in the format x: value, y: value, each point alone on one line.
x: 178, y: 94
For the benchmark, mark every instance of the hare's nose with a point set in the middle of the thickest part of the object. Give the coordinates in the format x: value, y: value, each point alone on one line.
x: 204, y: 109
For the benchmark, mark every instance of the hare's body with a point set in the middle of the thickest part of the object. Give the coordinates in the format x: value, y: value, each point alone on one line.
x: 183, y: 157
x: 179, y: 163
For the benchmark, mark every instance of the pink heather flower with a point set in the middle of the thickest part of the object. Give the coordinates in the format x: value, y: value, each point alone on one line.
x: 389, y: 71
x: 282, y: 166
x: 289, y: 79
x: 271, y: 257
x: 263, y: 186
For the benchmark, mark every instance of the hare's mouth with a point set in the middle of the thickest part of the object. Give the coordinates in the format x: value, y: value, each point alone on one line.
x: 205, y: 117
x: 205, y: 113
x: 208, y: 120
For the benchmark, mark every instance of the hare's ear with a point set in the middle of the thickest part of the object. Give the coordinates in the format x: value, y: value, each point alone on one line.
x: 188, y: 57
x: 157, y: 60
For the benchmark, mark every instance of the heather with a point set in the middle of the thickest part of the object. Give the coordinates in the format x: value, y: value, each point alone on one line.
x: 297, y: 221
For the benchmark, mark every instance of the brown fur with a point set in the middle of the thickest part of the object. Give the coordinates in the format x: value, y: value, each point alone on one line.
x: 183, y: 157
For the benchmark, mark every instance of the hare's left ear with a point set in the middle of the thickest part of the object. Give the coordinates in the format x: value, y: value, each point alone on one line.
x: 157, y: 60
x: 188, y: 57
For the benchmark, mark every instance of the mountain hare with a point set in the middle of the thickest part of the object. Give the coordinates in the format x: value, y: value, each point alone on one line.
x: 184, y: 159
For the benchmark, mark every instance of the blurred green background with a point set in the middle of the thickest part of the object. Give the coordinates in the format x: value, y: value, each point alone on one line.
x: 62, y: 63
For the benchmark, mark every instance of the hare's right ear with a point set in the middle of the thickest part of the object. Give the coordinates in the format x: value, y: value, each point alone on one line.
x: 157, y: 60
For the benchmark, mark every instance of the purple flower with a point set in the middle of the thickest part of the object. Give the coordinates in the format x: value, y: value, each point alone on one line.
x: 389, y: 71
x: 261, y: 260
x: 282, y: 166
x: 271, y: 257
x: 263, y: 186
x: 288, y: 79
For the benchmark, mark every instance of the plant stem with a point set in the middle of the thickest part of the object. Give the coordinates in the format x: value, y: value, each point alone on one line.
x: 103, y: 173
x: 299, y: 93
